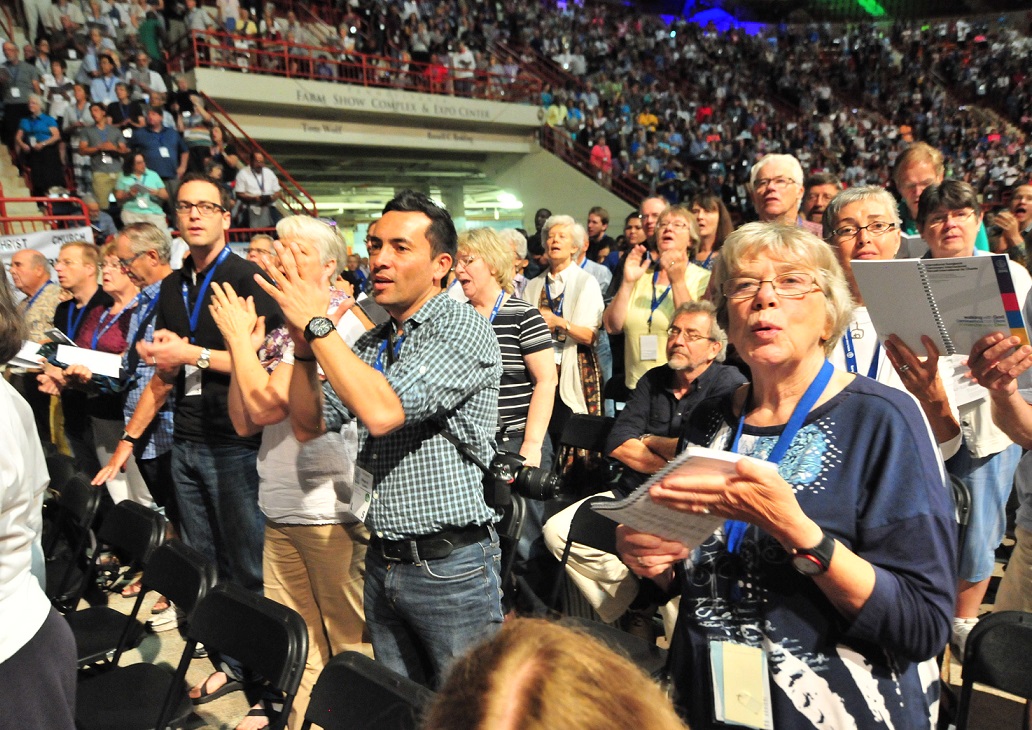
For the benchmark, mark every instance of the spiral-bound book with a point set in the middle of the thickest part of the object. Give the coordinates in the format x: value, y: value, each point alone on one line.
x: 955, y: 302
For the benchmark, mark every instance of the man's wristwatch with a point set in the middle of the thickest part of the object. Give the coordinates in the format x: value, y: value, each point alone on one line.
x: 318, y: 327
x: 816, y: 560
x: 127, y: 438
x: 204, y: 361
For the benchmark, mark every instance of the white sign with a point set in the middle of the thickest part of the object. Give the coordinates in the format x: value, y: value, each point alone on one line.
x: 47, y: 243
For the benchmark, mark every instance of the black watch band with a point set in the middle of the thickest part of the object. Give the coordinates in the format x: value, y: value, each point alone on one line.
x: 127, y: 438
x: 816, y: 560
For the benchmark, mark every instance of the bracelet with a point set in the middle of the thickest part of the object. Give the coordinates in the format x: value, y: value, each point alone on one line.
x: 298, y: 358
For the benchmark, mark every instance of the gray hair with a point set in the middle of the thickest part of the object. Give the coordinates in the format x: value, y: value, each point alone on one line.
x: 145, y: 237
x: 797, y: 169
x: 794, y: 245
x: 556, y: 220
x: 871, y: 193
x: 313, y: 230
x: 716, y: 332
x: 517, y: 240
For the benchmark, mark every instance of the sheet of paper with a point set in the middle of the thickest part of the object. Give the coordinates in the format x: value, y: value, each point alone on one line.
x: 99, y: 363
x: 639, y: 512
x: 28, y: 356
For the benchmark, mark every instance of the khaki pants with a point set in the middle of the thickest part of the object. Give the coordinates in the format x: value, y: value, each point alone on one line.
x: 103, y: 186
x: 1015, y: 593
x: 319, y: 571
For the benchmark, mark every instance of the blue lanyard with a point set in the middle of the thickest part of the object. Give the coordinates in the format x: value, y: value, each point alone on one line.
x: 104, y: 324
x: 497, y: 306
x: 392, y: 357
x: 73, y: 327
x: 557, y: 305
x: 141, y: 326
x: 28, y: 305
x: 656, y: 303
x: 735, y: 529
x: 851, y: 366
x: 584, y: 262
x: 195, y: 315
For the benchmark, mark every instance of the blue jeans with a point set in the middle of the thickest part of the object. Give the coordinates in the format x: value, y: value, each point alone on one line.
x: 216, y: 488
x: 990, y: 480
x: 422, y: 616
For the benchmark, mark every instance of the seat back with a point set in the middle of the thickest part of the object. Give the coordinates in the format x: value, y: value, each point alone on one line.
x: 61, y: 468
x: 589, y: 528
x: 586, y: 432
x: 67, y: 538
x: 133, y: 530
x: 354, y: 692
x: 583, y: 476
x: 510, y: 529
x: 996, y: 654
x: 180, y: 573
x: 650, y: 658
x: 266, y: 637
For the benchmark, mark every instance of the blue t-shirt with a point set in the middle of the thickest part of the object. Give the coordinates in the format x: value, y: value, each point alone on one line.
x: 37, y: 127
x: 865, y: 469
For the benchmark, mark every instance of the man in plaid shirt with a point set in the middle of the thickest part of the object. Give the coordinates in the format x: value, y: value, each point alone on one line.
x: 432, y: 569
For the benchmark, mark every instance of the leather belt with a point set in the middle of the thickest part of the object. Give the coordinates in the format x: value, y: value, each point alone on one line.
x: 429, y: 547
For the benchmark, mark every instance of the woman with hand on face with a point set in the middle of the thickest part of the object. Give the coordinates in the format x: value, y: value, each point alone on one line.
x: 652, y: 288
x: 570, y: 301
x: 830, y: 574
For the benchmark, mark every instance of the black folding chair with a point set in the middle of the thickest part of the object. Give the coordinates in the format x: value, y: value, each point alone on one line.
x: 134, y: 532
x: 589, y: 528
x: 61, y: 468
x: 132, y: 697
x: 997, y: 654
x: 584, y: 477
x: 68, y: 524
x: 645, y: 654
x: 354, y: 692
x: 268, y: 638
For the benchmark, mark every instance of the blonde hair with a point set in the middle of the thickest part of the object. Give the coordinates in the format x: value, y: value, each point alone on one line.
x: 488, y: 245
x: 539, y: 675
x: 789, y: 244
x: 88, y: 252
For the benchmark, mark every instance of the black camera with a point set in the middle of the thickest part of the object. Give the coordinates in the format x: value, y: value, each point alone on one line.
x: 507, y: 473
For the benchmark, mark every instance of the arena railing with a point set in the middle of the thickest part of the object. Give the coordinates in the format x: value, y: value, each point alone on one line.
x: 295, y: 197
x: 559, y: 143
x: 54, y: 214
x: 211, y: 49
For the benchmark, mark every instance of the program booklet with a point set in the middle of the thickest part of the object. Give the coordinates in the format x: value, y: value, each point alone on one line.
x: 955, y: 302
x: 640, y: 513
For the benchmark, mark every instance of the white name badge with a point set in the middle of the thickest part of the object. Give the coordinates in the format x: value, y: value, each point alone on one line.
x: 15, y: 92
x: 741, y: 685
x: 192, y: 381
x: 127, y: 132
x: 32, y: 141
x: 361, y: 493
x: 72, y: 55
x: 163, y: 151
x: 649, y: 347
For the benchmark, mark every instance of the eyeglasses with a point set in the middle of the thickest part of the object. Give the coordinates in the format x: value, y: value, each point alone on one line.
x: 690, y: 337
x: 939, y: 219
x: 675, y: 225
x: 465, y: 261
x: 205, y: 208
x: 117, y: 265
x: 259, y: 251
x: 124, y: 264
x: 774, y: 182
x: 791, y: 284
x: 875, y: 229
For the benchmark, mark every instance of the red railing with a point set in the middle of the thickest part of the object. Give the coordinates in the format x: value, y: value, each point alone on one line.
x: 559, y: 143
x: 295, y: 197
x: 537, y: 64
x: 71, y: 213
x: 324, y: 63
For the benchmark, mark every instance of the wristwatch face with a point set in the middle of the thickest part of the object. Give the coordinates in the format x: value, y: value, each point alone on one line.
x: 204, y: 360
x: 318, y: 327
x: 807, y: 564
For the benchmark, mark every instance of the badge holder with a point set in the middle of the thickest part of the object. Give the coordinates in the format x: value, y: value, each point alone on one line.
x: 741, y: 685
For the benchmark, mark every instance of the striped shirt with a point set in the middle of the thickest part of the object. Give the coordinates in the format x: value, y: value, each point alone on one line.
x: 521, y: 330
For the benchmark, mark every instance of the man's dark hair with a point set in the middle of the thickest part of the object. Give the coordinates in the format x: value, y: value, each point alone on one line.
x: 949, y: 195
x: 602, y: 213
x: 441, y: 231
x: 225, y: 196
x: 821, y: 178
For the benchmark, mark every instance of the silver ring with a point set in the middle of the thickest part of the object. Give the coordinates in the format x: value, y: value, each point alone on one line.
x: 641, y: 561
x: 904, y: 368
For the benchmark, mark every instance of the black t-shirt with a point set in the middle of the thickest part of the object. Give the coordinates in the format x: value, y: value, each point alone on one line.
x: 205, y: 418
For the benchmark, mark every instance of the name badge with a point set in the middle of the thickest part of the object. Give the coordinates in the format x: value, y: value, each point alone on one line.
x: 15, y: 92
x: 649, y: 347
x: 741, y: 685
x: 192, y: 381
x: 32, y: 141
x: 163, y: 151
x: 72, y: 55
x: 105, y: 159
x: 127, y: 132
x: 361, y: 493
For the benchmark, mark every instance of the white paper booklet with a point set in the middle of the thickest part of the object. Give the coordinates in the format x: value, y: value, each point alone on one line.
x: 99, y: 363
x: 955, y: 302
x: 28, y: 356
x: 639, y: 512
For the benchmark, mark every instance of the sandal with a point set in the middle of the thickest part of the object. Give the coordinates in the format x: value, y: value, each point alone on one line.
x: 132, y: 589
x: 256, y: 711
x: 205, y: 697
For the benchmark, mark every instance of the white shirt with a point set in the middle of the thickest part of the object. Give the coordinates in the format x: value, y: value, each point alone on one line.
x: 251, y: 183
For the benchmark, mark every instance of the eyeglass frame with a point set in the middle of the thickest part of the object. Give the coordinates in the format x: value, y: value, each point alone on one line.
x: 837, y: 233
x: 690, y: 340
x: 466, y: 262
x: 125, y: 264
x: 683, y: 225
x: 181, y: 210
x: 760, y: 282
x: 778, y: 183
x: 933, y: 221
